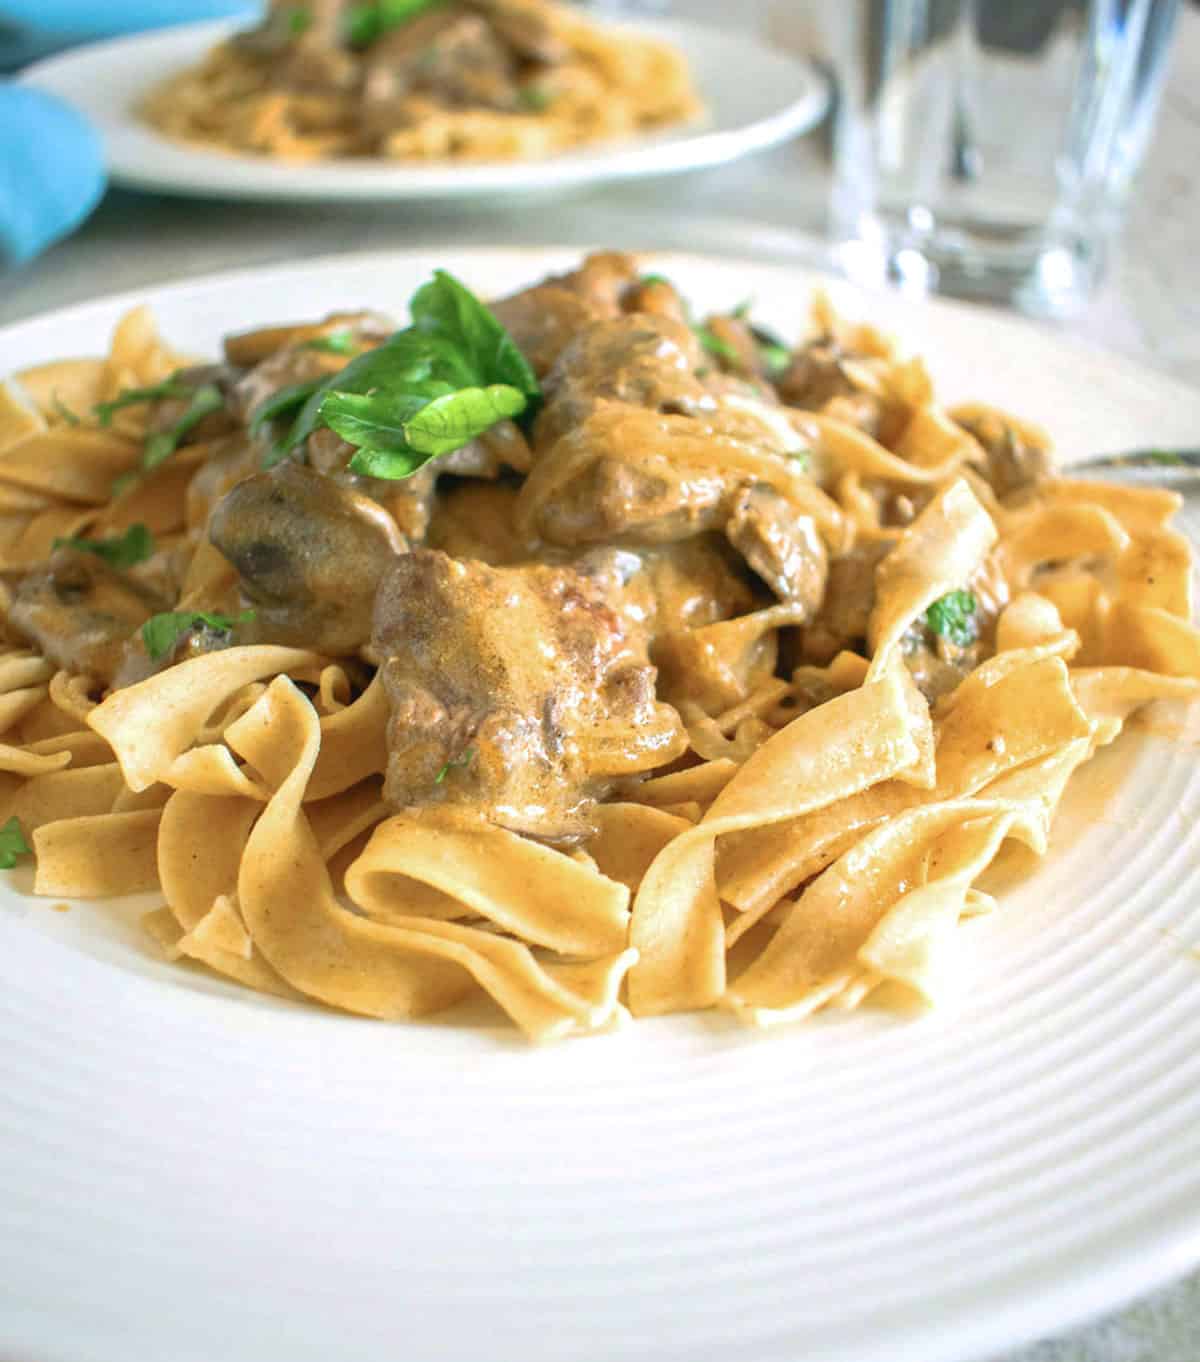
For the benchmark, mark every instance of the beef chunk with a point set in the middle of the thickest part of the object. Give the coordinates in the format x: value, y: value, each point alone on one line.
x: 515, y: 692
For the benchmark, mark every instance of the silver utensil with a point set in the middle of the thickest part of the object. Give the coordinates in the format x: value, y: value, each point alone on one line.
x: 1169, y: 466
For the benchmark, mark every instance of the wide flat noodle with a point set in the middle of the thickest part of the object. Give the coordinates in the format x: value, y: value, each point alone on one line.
x: 530, y: 891
x: 97, y: 857
x: 938, y: 553
x: 153, y: 723
x: 815, y: 954
x: 830, y: 753
x: 1001, y: 719
x: 370, y: 967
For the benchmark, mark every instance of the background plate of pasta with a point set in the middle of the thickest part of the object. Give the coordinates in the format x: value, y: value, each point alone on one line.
x: 425, y: 99
x: 529, y: 782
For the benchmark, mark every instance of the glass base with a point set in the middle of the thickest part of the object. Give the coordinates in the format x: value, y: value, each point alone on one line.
x: 1036, y: 272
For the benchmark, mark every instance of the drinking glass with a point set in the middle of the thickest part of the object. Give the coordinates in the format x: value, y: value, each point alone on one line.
x: 986, y: 148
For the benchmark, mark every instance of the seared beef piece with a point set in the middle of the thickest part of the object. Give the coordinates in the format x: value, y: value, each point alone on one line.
x: 848, y: 602
x: 310, y: 555
x: 524, y: 29
x: 80, y: 613
x: 783, y: 547
x: 276, y: 34
x: 292, y: 364
x: 515, y: 692
x: 1016, y: 461
x: 612, y: 500
x: 814, y: 375
x: 474, y: 521
x: 312, y: 66
x: 542, y: 321
x: 645, y: 360
x: 448, y: 54
x: 545, y: 318
x: 411, y: 501
x: 671, y: 587
x: 656, y: 296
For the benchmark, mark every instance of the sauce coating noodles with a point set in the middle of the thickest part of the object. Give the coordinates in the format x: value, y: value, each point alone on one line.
x: 718, y: 682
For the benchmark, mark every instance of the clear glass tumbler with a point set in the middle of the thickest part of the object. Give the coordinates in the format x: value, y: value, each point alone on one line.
x: 985, y: 148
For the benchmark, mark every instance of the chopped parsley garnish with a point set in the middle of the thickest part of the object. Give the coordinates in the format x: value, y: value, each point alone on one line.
x: 135, y: 397
x: 534, y: 98
x: 953, y: 617
x: 299, y: 21
x: 1166, y: 457
x: 427, y: 390
x: 12, y: 843
x: 715, y: 345
x: 162, y: 444
x: 802, y: 456
x: 162, y: 632
x: 465, y: 760
x: 775, y: 355
x: 120, y: 550
x: 335, y: 343
x: 61, y: 409
x: 650, y: 280
x: 202, y: 401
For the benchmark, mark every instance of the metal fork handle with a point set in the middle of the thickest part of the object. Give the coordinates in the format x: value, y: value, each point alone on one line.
x: 1170, y: 466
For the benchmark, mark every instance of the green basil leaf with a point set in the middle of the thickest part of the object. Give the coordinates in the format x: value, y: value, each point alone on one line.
x: 377, y: 422
x: 389, y: 464
x: 284, y: 402
x: 395, y: 438
x: 160, y: 633
x: 402, y: 361
x: 12, y: 843
x: 449, y: 422
x: 393, y: 13
x: 365, y: 24
x: 447, y: 309
x: 119, y: 551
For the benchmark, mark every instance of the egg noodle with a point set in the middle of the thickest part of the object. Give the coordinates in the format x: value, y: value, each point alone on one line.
x: 599, y: 85
x: 807, y: 832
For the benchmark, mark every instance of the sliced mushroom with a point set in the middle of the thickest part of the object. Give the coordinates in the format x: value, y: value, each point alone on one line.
x: 310, y: 554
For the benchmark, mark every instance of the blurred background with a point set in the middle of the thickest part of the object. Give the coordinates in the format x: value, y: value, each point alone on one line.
x: 1037, y: 153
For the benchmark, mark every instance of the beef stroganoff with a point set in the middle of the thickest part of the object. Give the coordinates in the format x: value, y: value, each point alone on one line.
x: 458, y: 80
x: 574, y: 650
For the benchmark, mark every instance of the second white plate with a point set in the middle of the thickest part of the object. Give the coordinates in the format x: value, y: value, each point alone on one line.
x: 755, y: 98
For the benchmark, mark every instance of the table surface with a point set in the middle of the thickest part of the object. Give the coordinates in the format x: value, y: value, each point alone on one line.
x: 768, y: 206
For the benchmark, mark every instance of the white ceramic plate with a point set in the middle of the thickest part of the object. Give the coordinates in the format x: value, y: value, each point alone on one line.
x: 756, y: 97
x: 188, y: 1171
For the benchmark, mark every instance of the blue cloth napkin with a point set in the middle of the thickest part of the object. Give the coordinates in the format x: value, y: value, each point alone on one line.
x: 51, y: 161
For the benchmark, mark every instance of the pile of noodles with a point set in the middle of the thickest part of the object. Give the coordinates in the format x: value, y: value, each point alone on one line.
x: 826, y: 850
